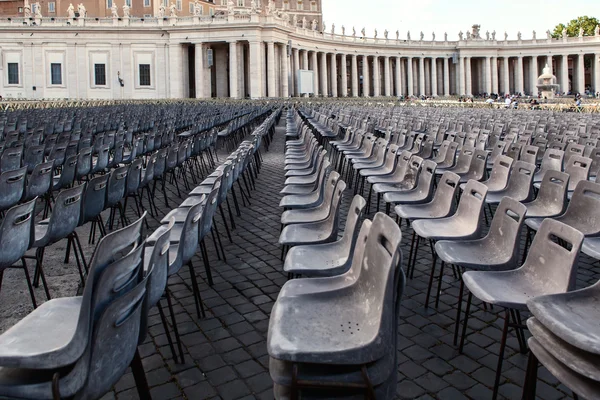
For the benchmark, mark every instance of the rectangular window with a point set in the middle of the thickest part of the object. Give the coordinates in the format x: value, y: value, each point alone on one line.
x: 128, y: 2
x: 100, y: 74
x: 55, y: 74
x: 179, y: 5
x: 13, y: 73
x: 286, y: 5
x: 191, y: 5
x: 240, y: 3
x: 108, y: 3
x: 144, y: 74
x: 34, y: 8
x: 313, y: 6
x: 146, y: 3
x: 52, y: 7
x: 166, y: 3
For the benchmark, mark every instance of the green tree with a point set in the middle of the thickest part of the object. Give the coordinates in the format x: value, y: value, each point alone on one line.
x: 587, y: 23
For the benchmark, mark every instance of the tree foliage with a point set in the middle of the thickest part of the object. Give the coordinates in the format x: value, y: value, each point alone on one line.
x: 587, y: 23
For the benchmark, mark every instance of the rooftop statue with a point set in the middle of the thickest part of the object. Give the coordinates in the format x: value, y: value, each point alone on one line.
x: 460, y: 35
x: 115, y: 10
x: 71, y: 11
x: 125, y: 10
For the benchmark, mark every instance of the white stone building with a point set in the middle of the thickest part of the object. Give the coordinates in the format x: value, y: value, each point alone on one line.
x: 254, y: 54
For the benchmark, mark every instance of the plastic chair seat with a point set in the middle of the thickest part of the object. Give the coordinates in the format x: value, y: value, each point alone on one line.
x: 582, y: 362
x: 300, y: 216
x: 504, y: 288
x: 310, y: 233
x: 572, y: 316
x: 41, y: 234
x: 591, y: 247
x: 327, y: 259
x: 43, y: 339
x: 297, y: 189
x: 584, y: 387
x: 475, y: 254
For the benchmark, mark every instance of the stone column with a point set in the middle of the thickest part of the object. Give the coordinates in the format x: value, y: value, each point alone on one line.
x: 285, y: 75
x: 462, y: 87
x: 549, y: 63
x: 376, y: 77
x: 175, y: 76
x: 199, y: 70
x: 434, y: 80
x: 354, y: 75
x: 271, y: 89
x: 296, y: 57
x: 519, y: 76
x: 488, y: 75
x: 315, y: 68
x: 596, y: 83
x: 564, y: 74
x: 494, y: 62
x: 533, y: 74
x: 506, y: 73
x: 398, y: 73
x: 421, y: 76
x: 334, y: 80
x: 323, y: 69
x: 446, y: 77
x: 409, y: 76
x: 580, y: 74
x: 255, y: 70
x: 233, y: 70
x: 305, y: 59
x: 344, y: 75
x: 468, y: 78
x: 387, y: 77
x: 366, y: 82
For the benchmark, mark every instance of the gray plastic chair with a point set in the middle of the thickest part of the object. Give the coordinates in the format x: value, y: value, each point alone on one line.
x: 59, y: 333
x: 551, y: 199
x: 315, y: 214
x: 519, y: 186
x: 552, y: 161
x: 463, y: 162
x: 422, y: 192
x: 497, y: 251
x: 16, y: 236
x: 529, y: 154
x: 549, y: 268
x: 328, y: 259
x: 12, y: 187
x: 39, y: 182
x: 477, y: 167
x: 464, y: 224
x: 369, y: 337
x: 309, y: 200
x: 115, y: 192
x: 578, y: 168
x: 499, y: 175
x: 67, y: 174
x: 446, y: 157
x: 324, y: 231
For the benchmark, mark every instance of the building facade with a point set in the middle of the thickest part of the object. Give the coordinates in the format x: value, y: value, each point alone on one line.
x: 253, y: 53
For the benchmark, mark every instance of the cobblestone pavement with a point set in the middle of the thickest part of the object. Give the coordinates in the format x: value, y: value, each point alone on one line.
x: 225, y: 353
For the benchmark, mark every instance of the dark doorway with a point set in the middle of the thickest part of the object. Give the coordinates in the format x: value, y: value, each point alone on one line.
x: 192, y: 71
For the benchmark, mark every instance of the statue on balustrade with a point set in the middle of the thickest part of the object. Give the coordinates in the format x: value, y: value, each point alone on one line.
x: 82, y: 11
x: 487, y: 35
x: 253, y: 7
x: 26, y: 10
x: 397, y: 35
x: 468, y: 35
x: 548, y: 34
x: 408, y: 35
x: 114, y: 10
x: 386, y: 34
x: 323, y: 27
x: 433, y: 36
x: 71, y: 11
x: 197, y: 8
x: 125, y: 11
x: 597, y: 30
x: 445, y: 36
x: 314, y: 24
x: 519, y: 35
x: 173, y: 9
x: 505, y: 35
x: 534, y: 35
x: 581, y: 31
x: 564, y: 33
x: 343, y: 30
x: 295, y: 20
x: 363, y: 32
x: 161, y: 11
x: 460, y: 35
x: 333, y: 29
x: 475, y: 31
x: 230, y: 7
x: 270, y: 7
x: 494, y: 35
x: 38, y: 11
x: 353, y: 32
x: 304, y: 22
x: 375, y: 34
x: 421, y: 35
